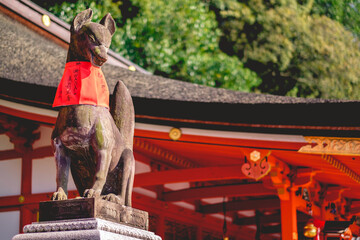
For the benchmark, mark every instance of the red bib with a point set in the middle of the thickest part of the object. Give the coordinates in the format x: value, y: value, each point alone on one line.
x: 82, y: 83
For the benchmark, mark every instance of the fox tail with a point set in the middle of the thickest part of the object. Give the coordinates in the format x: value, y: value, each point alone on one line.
x: 122, y: 110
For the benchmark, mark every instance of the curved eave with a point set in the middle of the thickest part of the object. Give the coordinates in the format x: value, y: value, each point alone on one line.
x: 331, y: 119
x: 315, y: 119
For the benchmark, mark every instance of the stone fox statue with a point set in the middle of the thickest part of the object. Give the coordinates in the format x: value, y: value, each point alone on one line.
x: 95, y: 143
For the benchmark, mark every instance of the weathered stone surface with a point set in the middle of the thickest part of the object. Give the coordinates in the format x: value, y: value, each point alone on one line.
x: 93, y: 208
x: 87, y: 228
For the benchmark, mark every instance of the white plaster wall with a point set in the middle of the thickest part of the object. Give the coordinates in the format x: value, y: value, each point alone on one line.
x: 45, y: 137
x: 145, y: 192
x: 44, y: 176
x: 10, y: 177
x: 141, y: 167
x: 9, y: 224
x: 5, y: 143
x: 185, y: 205
x: 221, y: 217
x: 177, y: 186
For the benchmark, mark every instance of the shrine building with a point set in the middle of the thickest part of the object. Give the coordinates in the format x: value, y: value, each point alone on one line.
x: 210, y: 163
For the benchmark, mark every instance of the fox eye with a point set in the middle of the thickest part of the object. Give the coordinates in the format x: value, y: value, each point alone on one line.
x: 92, y: 38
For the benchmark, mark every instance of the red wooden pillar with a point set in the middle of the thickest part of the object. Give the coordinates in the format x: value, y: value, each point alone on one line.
x: 279, y: 177
x: 160, y: 228
x: 26, y: 172
x: 288, y: 217
x: 199, y: 233
x: 22, y: 134
x: 26, y: 215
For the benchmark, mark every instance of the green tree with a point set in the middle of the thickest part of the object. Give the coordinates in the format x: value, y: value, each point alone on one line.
x: 346, y: 12
x: 180, y: 39
x: 177, y: 39
x: 295, y: 53
x: 67, y: 10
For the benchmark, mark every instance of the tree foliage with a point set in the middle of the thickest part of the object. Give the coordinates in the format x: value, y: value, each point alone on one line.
x: 67, y: 10
x: 346, y: 12
x: 177, y: 39
x: 294, y: 53
x: 307, y: 48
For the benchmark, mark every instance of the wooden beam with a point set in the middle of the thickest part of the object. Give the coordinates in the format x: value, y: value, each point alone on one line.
x: 271, y: 229
x: 254, y: 204
x: 42, y: 152
x: 333, y: 193
x: 162, y: 154
x: 354, y: 210
x: 9, y: 154
x: 242, y: 190
x: 341, y: 167
x: 188, y: 175
x: 355, y: 203
x: 266, y: 219
x: 9, y: 201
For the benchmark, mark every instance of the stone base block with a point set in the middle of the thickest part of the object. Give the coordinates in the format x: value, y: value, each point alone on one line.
x: 93, y: 208
x: 81, y: 229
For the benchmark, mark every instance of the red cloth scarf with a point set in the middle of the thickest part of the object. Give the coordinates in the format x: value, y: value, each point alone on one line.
x: 82, y: 83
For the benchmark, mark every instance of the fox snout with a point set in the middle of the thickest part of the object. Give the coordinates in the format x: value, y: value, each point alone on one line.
x: 99, y: 55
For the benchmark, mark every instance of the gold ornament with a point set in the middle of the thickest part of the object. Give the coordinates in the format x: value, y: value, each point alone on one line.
x: 310, y: 231
x: 46, y: 20
x: 175, y: 134
x: 132, y: 68
x: 21, y: 199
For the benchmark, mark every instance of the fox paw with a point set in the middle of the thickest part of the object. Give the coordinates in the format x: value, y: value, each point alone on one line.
x: 91, y: 193
x: 59, y: 195
x: 113, y: 198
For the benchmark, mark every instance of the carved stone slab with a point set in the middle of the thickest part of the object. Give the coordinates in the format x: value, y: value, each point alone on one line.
x: 86, y: 228
x: 93, y: 208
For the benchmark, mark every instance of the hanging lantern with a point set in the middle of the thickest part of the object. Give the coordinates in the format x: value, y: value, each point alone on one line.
x: 310, y: 231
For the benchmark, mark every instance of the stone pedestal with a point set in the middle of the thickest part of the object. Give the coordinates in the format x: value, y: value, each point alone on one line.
x: 90, y: 219
x: 83, y: 229
x: 93, y: 208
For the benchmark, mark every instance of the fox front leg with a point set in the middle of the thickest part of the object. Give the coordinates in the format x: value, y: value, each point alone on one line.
x: 125, y: 177
x: 102, y: 169
x: 62, y: 170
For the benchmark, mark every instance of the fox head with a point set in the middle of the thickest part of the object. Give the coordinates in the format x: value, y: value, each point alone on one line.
x: 90, y: 41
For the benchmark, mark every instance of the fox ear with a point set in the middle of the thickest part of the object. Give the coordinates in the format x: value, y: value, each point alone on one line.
x: 109, y: 23
x: 80, y: 19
